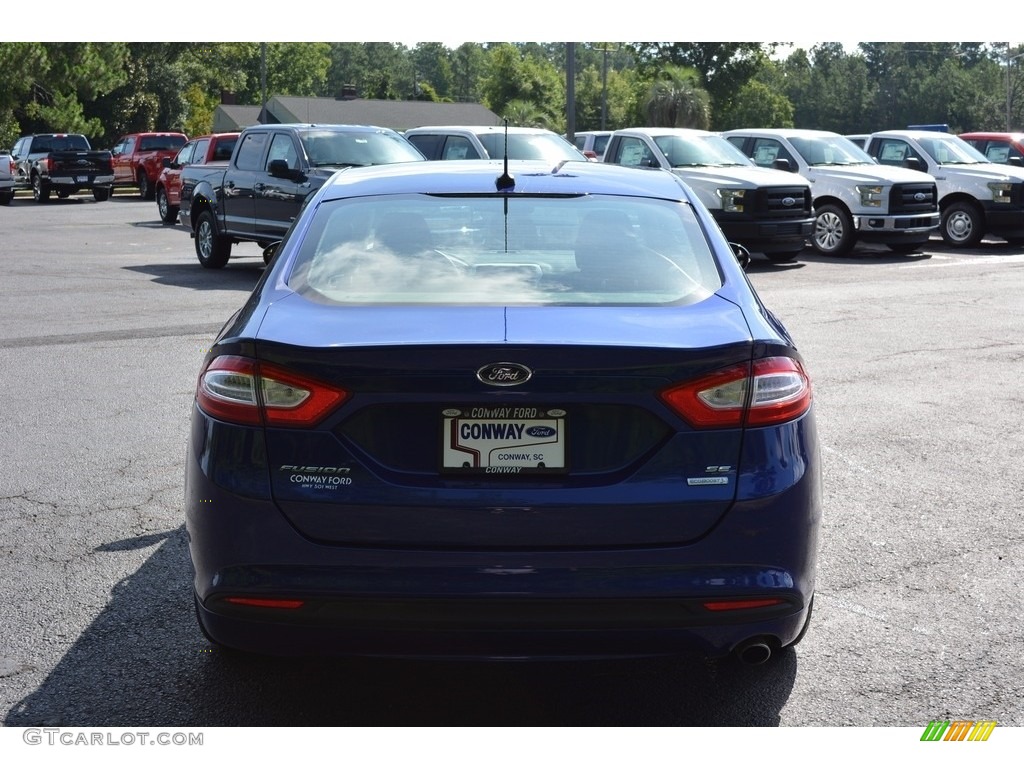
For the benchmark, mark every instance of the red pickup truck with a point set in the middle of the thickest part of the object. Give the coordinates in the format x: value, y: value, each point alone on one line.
x: 138, y: 159
x: 202, y: 150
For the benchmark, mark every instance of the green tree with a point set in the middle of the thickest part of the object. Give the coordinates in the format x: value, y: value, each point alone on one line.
x: 757, y: 105
x: 514, y: 76
x: 723, y: 67
x: 676, y: 100
x: 523, y: 113
x: 52, y: 86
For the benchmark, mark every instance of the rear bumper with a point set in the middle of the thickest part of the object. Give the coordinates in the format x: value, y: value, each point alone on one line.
x: 488, y: 604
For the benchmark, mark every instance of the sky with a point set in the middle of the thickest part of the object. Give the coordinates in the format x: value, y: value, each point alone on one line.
x: 533, y: 20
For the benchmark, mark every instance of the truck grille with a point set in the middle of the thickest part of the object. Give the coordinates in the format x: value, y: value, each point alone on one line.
x: 913, y: 198
x: 771, y: 202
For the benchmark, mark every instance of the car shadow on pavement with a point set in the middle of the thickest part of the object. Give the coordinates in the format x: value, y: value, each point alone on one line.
x: 143, y: 662
x: 241, y: 275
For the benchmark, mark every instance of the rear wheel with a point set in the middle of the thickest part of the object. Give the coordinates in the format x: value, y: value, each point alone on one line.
x: 833, y: 231
x: 100, y: 194
x: 212, y: 249
x: 6, y: 197
x: 962, y: 225
x: 145, y: 188
x: 40, y: 191
x: 168, y: 212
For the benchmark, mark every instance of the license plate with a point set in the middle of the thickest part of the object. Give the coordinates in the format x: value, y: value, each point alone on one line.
x: 513, y: 440
x: 83, y: 179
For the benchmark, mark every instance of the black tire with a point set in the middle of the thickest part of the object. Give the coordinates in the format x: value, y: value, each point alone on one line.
x: 100, y: 194
x: 962, y: 225
x: 145, y: 188
x: 40, y: 191
x: 168, y: 212
x: 6, y: 198
x: 212, y: 249
x: 833, y: 231
x: 63, y: 194
x: 905, y: 247
x: 783, y: 257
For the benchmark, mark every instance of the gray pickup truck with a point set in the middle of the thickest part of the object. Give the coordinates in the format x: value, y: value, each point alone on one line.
x: 272, y: 171
x: 6, y: 177
x: 64, y: 163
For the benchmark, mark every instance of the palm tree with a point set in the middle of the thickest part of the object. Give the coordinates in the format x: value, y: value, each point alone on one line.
x: 677, y: 100
x: 526, y: 114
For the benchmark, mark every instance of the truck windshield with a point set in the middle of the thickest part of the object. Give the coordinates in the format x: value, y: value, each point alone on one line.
x: 356, y: 148
x: 699, y: 150
x: 830, y: 150
x: 952, y: 150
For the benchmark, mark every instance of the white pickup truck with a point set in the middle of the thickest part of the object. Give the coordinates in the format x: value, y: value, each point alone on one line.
x: 855, y: 198
x: 976, y: 196
x: 765, y: 210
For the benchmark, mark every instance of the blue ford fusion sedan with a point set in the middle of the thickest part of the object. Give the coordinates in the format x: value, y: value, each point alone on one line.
x: 503, y: 410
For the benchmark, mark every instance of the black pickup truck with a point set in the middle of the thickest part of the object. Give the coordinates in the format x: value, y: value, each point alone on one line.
x: 63, y: 163
x: 272, y: 171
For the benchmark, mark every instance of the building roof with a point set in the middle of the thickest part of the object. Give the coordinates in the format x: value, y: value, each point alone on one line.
x: 228, y: 118
x: 398, y: 115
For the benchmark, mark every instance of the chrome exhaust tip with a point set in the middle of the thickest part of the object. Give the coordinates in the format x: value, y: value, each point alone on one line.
x: 754, y: 651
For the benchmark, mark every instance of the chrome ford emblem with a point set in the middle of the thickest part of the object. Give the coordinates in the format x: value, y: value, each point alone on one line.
x: 920, y: 196
x: 788, y: 201
x: 504, y: 374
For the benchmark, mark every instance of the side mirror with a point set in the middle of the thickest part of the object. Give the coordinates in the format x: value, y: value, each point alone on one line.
x: 270, y: 251
x: 742, y: 255
x: 280, y: 169
x: 166, y: 162
x: 782, y: 164
x: 913, y: 163
x: 1017, y: 161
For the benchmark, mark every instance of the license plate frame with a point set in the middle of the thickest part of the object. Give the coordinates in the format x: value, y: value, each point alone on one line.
x: 504, y: 441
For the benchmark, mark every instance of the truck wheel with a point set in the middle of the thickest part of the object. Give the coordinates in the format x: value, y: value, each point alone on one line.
x: 212, y: 249
x: 833, y: 231
x: 100, y: 194
x: 962, y: 225
x: 168, y: 212
x: 145, y: 188
x: 40, y: 191
x: 6, y: 197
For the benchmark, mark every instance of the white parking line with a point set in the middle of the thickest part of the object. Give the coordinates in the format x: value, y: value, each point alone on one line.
x: 968, y: 261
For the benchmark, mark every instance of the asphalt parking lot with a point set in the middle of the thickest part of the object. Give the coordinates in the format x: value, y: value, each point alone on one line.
x: 917, y: 361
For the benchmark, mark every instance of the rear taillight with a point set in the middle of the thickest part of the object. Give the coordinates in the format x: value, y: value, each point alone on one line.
x: 266, y: 602
x: 769, y: 391
x: 247, y: 391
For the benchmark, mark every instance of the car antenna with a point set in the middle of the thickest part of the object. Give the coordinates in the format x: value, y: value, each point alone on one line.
x: 505, y: 181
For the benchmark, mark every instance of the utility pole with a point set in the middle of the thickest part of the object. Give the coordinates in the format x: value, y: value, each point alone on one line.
x: 570, y: 91
x: 263, y: 81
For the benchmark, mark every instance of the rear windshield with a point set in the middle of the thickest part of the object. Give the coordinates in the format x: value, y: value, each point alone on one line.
x: 421, y: 249
x: 150, y: 143
x: 69, y: 142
